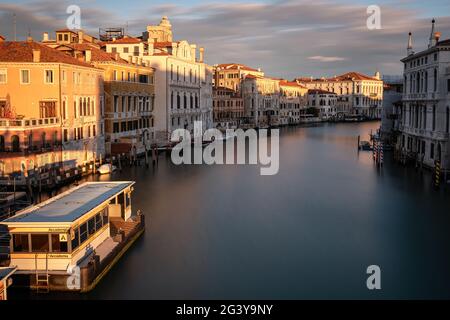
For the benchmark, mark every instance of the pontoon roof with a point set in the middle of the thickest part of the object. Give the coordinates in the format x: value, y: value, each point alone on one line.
x: 70, y: 205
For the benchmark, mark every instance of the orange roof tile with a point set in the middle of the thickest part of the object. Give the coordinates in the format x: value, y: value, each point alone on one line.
x: 22, y: 51
x: 126, y: 40
x: 235, y: 66
x: 97, y: 55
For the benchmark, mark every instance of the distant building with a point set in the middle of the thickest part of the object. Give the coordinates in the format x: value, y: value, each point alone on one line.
x: 50, y: 109
x: 424, y: 116
x: 230, y: 75
x: 392, y: 96
x: 357, y: 93
x: 228, y: 108
x: 261, y: 100
x: 325, y: 102
x: 293, y: 102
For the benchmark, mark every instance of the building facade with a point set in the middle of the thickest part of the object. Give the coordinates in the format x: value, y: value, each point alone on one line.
x: 228, y: 108
x: 261, y: 100
x: 424, y: 116
x: 129, y: 95
x: 183, y: 82
x: 50, y: 109
x: 293, y: 102
x: 324, y: 102
x: 357, y: 93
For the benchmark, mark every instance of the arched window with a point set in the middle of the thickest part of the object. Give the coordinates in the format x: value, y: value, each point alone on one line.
x: 171, y: 100
x: 435, y: 80
x: 178, y: 101
x: 2, y: 143
x: 185, y: 101
x: 191, y: 101
x: 434, y: 118
x: 15, y: 143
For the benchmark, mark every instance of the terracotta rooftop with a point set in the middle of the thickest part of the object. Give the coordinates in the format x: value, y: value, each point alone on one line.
x: 285, y: 83
x: 162, y: 44
x: 349, y: 76
x: 97, y: 55
x: 125, y: 40
x: 22, y: 51
x: 236, y: 66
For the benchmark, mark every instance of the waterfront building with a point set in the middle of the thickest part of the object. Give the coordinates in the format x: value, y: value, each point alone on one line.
x: 392, y: 96
x: 324, y: 102
x: 230, y: 75
x: 50, y: 111
x: 129, y: 98
x: 357, y: 94
x: 183, y: 81
x: 261, y: 100
x: 228, y: 108
x: 293, y: 102
x: 424, y: 116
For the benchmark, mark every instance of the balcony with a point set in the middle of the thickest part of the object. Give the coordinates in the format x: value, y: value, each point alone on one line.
x: 29, y: 123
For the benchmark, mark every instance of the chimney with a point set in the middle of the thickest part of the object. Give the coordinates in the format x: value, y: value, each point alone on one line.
x: 409, y: 49
x: 431, y: 42
x: 45, y: 37
x: 36, y: 55
x: 80, y: 36
x: 88, y: 56
x: 202, y: 55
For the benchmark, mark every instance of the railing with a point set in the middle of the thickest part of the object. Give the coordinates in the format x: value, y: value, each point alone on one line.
x: 28, y: 123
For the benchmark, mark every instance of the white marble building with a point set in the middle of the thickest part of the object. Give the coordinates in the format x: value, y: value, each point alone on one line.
x: 424, y: 116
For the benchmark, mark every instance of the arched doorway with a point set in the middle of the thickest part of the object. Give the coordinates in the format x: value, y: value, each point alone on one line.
x: 15, y: 143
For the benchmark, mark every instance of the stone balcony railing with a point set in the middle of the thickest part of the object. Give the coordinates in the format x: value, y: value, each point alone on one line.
x: 420, y: 96
x: 29, y: 123
x: 436, y: 135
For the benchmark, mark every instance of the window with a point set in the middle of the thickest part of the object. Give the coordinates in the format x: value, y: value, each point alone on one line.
x: 24, y: 76
x: 125, y: 50
x: 49, y: 76
x: 448, y: 85
x: 115, y: 75
x: 75, y: 239
x: 3, y: 76
x: 432, y: 151
x: 20, y: 243
x: 57, y: 245
x: 83, y: 233
x: 39, y: 243
x: 91, y: 226
x: 113, y: 49
x: 98, y: 221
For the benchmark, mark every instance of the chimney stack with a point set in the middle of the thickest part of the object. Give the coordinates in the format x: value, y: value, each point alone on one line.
x: 80, y: 36
x: 88, y: 56
x: 36, y: 55
x: 202, y: 55
x: 45, y: 37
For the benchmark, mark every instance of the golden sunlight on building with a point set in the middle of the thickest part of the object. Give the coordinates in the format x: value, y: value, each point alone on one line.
x: 50, y: 110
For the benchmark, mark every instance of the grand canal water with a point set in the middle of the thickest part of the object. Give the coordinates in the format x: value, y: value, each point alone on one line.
x: 226, y: 232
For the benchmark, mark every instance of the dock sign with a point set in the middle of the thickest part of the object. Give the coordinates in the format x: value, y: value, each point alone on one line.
x: 62, y: 237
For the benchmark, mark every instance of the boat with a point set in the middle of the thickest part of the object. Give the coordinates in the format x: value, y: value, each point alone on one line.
x: 365, y: 146
x: 106, y: 168
x: 70, y: 241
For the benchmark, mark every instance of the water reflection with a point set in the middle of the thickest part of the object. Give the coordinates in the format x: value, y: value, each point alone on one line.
x: 223, y: 232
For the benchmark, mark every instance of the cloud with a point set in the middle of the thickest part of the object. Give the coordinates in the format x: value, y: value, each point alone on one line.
x: 286, y: 38
x: 326, y: 59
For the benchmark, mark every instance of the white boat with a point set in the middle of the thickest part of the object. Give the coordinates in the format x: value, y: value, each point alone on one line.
x: 106, y: 168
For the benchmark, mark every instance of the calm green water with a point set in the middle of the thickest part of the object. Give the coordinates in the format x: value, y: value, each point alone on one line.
x: 225, y: 232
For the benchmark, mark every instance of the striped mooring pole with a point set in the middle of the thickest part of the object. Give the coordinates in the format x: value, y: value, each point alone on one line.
x: 437, y: 173
x: 381, y: 154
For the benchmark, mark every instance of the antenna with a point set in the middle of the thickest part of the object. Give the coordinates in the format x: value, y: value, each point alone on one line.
x: 15, y: 26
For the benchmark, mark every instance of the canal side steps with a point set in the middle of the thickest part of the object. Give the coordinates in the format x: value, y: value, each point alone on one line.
x: 42, y: 278
x: 117, y: 225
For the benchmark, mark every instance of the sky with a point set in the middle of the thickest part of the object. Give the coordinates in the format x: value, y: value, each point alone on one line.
x: 285, y: 38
